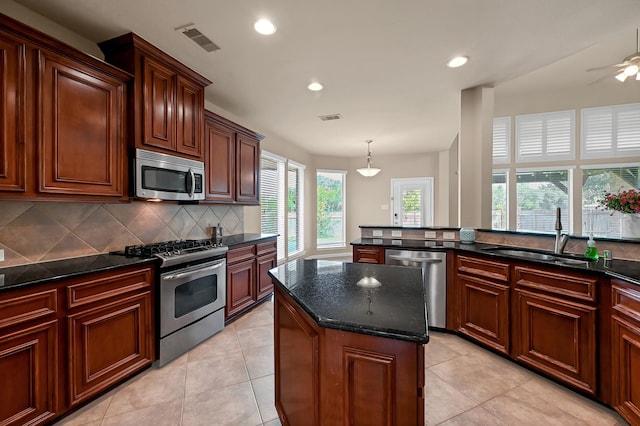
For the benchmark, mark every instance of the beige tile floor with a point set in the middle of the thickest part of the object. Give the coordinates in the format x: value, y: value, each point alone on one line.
x: 228, y: 380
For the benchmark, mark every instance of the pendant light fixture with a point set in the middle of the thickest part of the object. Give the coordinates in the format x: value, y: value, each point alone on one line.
x: 368, y: 171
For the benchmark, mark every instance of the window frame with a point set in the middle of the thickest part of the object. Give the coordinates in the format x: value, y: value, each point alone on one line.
x: 343, y: 243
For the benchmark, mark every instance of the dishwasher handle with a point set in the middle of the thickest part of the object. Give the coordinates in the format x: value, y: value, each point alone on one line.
x: 415, y: 259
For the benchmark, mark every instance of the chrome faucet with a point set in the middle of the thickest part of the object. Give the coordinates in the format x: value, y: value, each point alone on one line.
x: 561, y: 239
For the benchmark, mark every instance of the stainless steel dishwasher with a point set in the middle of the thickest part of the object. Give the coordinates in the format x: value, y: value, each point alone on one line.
x: 434, y: 277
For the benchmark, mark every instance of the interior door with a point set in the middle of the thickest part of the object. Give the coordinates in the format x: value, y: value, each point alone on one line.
x: 412, y: 202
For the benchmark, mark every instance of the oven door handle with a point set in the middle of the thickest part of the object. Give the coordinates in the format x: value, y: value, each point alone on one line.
x: 194, y: 272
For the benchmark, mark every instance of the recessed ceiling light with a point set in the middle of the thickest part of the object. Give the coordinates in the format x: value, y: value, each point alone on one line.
x: 315, y: 86
x: 265, y: 27
x: 458, y: 61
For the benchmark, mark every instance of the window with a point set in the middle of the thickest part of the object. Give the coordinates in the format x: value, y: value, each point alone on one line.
x: 610, y: 132
x: 545, y: 137
x: 538, y: 194
x: 331, y: 208
x: 272, y: 198
x: 295, y: 208
x: 281, y: 203
x: 597, y: 181
x: 499, y: 200
x: 501, y: 140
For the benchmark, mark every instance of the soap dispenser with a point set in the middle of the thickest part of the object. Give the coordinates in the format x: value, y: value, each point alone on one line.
x: 592, y: 251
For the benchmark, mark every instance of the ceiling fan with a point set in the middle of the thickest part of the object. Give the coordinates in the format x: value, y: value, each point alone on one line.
x: 629, y: 66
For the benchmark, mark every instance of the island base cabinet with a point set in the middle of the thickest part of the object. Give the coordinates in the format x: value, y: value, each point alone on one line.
x: 557, y: 337
x: 331, y: 377
x: 28, y: 373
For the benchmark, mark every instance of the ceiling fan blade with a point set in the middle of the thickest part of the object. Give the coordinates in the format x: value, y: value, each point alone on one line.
x: 606, y: 67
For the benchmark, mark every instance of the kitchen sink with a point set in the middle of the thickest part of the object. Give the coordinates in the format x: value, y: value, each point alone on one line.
x: 537, y: 255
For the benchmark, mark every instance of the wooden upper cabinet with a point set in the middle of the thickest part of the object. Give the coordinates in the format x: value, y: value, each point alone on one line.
x: 166, y: 103
x: 81, y: 142
x: 247, y: 169
x: 159, y: 124
x: 62, y: 118
x: 13, y: 97
x: 220, y: 162
x: 232, y: 161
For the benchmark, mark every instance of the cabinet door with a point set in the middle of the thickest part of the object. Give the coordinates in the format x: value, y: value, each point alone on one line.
x: 158, y: 105
x: 247, y: 169
x: 107, y: 343
x: 190, y: 109
x: 365, y: 254
x: 219, y: 162
x: 484, y: 312
x: 28, y: 370
x: 556, y: 337
x: 625, y: 363
x: 265, y: 284
x: 13, y: 160
x: 241, y: 286
x: 81, y: 136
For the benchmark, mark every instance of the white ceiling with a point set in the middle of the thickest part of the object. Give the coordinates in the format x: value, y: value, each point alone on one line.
x: 382, y: 62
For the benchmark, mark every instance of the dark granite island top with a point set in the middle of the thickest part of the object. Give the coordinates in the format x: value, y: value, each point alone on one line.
x: 344, y: 296
x: 349, y: 343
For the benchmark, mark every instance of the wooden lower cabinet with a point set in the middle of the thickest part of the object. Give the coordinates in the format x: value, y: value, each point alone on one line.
x: 484, y: 312
x: 28, y: 371
x: 62, y: 343
x: 107, y: 343
x: 368, y: 254
x: 248, y: 282
x: 241, y: 287
x: 325, y: 376
x: 625, y: 350
x: 483, y: 289
x: 555, y: 324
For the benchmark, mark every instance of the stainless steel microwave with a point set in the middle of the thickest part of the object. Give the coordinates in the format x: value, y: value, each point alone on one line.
x: 167, y: 177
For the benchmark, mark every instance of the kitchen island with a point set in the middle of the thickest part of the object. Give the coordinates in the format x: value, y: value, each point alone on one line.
x: 349, y: 343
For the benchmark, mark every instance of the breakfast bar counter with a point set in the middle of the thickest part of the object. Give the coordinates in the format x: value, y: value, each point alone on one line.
x: 349, y: 343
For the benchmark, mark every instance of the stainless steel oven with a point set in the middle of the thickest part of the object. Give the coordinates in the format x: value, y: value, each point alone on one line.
x: 191, y: 292
x: 192, y: 301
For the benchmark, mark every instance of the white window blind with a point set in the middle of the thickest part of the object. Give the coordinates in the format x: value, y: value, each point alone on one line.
x: 545, y: 137
x: 610, y: 132
x: 295, y: 208
x: 272, y: 199
x: 501, y: 140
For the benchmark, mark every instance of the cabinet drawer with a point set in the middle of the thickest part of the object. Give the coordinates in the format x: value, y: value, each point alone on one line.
x: 576, y: 286
x: 16, y: 310
x: 106, y: 285
x: 238, y: 254
x: 483, y: 268
x: 625, y: 298
x: 266, y: 247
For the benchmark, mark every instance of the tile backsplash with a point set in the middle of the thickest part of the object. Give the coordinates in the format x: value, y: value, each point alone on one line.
x: 40, y: 231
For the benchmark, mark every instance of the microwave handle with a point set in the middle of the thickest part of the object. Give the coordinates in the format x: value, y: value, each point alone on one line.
x: 192, y: 178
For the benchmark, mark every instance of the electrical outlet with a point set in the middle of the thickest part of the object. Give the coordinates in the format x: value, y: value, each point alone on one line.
x: 384, y: 206
x: 377, y: 232
x: 396, y: 234
x: 1, y: 280
x: 429, y: 234
x: 448, y: 235
x: 2, y: 255
x: 396, y: 242
x: 377, y: 241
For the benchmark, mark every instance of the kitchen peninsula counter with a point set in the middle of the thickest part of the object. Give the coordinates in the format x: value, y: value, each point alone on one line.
x: 349, y: 343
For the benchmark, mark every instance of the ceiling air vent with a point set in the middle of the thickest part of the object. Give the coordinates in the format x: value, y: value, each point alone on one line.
x: 198, y: 38
x: 330, y: 117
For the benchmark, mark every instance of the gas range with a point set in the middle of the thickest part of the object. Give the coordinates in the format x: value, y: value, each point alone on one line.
x: 179, y: 251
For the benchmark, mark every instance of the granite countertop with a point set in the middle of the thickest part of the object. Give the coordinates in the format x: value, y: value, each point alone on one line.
x: 624, y: 269
x: 15, y: 277
x: 329, y: 292
x: 238, y: 239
